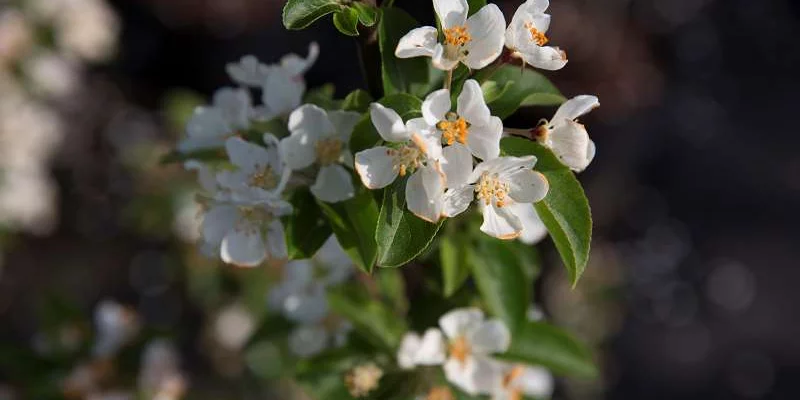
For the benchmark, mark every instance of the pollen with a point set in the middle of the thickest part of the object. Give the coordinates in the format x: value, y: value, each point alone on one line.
x: 457, y: 36
x: 453, y: 131
x: 406, y: 159
x: 328, y: 151
x: 460, y: 349
x: 537, y: 36
x: 492, y: 190
x: 263, y: 178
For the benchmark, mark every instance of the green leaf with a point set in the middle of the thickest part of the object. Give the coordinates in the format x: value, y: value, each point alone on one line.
x: 298, y: 14
x: 322, y: 96
x: 364, y: 134
x: 543, y: 344
x: 392, y: 288
x: 358, y: 100
x: 368, y: 15
x: 500, y: 280
x: 346, y: 21
x: 264, y: 359
x: 306, y: 229
x: 401, y: 235
x: 565, y: 210
x: 475, y: 5
x: 372, y: 318
x: 512, y: 87
x: 455, y: 269
x: 353, y: 221
x: 399, y: 75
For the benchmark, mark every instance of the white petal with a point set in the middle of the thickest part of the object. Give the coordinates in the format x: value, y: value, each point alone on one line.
x: 451, y: 12
x: 307, y: 305
x: 477, y: 375
x: 533, y: 229
x: 536, y: 6
x: 487, y: 28
x: 534, y: 381
x: 296, y: 65
x: 248, y: 71
x: 484, y: 141
x: 471, y: 105
x: 430, y: 144
x: 235, y: 105
x: 456, y: 164
x: 431, y: 349
x: 343, y: 123
x: 441, y: 61
x: 418, y: 42
x: 283, y: 91
x: 207, y: 123
x: 457, y: 200
x: 376, y: 167
x: 570, y: 142
x: 276, y: 241
x: 503, y: 166
x: 204, y: 175
x: 308, y: 340
x: 546, y: 57
x: 218, y: 221
x: 574, y: 108
x: 246, y: 155
x: 436, y: 106
x: 333, y: 184
x: 490, y: 337
x: 298, y: 151
x: 243, y: 247
x: 500, y: 222
x: 424, y: 192
x: 311, y: 120
x: 408, y: 350
x: 388, y: 123
x: 460, y: 321
x: 338, y: 264
x: 528, y: 186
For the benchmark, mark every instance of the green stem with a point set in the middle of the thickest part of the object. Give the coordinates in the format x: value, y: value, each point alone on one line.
x: 448, y: 80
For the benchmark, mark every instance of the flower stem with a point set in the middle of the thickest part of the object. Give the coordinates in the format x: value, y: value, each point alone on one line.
x: 448, y: 80
x: 526, y: 133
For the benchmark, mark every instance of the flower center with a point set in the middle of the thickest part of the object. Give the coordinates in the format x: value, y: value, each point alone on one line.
x: 454, y: 130
x: 537, y: 36
x: 541, y: 132
x: 460, y: 349
x: 406, y: 158
x: 264, y: 178
x: 440, y: 393
x: 491, y: 189
x: 457, y: 36
x: 251, y: 217
x: 328, y: 150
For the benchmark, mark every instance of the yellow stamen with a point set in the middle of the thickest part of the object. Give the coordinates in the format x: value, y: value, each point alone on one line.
x: 328, y: 151
x: 537, y: 36
x: 460, y: 349
x: 457, y: 36
x: 491, y: 189
x: 406, y: 158
x: 454, y: 130
x: 264, y: 178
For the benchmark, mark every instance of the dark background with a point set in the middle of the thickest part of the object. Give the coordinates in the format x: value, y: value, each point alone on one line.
x: 691, y: 292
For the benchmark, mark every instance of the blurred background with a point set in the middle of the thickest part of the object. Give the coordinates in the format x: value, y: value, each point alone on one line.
x: 691, y: 289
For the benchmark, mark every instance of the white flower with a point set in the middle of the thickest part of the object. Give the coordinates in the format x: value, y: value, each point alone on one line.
x: 417, y: 148
x: 259, y: 170
x: 517, y: 380
x: 284, y: 85
x: 525, y: 37
x: 87, y: 29
x: 296, y: 65
x: 496, y: 184
x: 160, y: 376
x: 248, y: 71
x: 322, y: 137
x: 566, y: 137
x: 533, y: 229
x: 475, y: 41
x: 471, y: 125
x: 426, y: 350
x: 309, y: 340
x: 210, y: 125
x: 116, y: 325
x: 233, y: 326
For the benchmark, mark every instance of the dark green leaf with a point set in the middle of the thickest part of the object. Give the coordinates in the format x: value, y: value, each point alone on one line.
x: 399, y: 75
x: 370, y: 317
x: 358, y: 100
x: 298, y: 14
x: 346, y: 21
x: 455, y: 269
x: 565, y: 211
x: 364, y: 134
x: 353, y: 221
x: 500, y: 280
x: 542, y: 344
x: 322, y: 96
x: 306, y: 229
x: 475, y: 5
x: 513, y: 87
x: 401, y: 235
x: 368, y: 15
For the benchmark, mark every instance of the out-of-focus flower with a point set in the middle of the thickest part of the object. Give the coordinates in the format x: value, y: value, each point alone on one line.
x: 284, y: 87
x: 258, y: 170
x: 16, y: 36
x: 426, y: 350
x: 248, y: 71
x: 160, y: 376
x: 308, y: 340
x: 525, y: 37
x: 87, y: 29
x: 116, y: 325
x: 363, y: 379
x: 210, y: 126
x: 51, y: 74
x: 518, y: 380
x: 233, y: 326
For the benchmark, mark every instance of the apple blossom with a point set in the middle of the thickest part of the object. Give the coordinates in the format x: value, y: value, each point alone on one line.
x: 565, y: 136
x: 525, y: 37
x: 518, y: 380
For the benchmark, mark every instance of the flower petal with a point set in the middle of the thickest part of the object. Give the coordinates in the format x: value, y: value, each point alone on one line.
x: 248, y: 71
x: 546, y: 57
x: 574, y: 108
x: 296, y: 65
x: 477, y: 375
x: 440, y: 59
x: 205, y: 176
x: 536, y: 6
x: 235, y: 105
x: 282, y: 91
x: 276, y: 241
x: 436, y: 106
x: 570, y: 142
x: 388, y: 123
x: 534, y: 381
x: 418, y: 42
x: 207, y: 123
x: 375, y: 166
x: 503, y: 166
x: 298, y: 151
x: 457, y: 200
x: 533, y: 229
x: 490, y: 337
x: 343, y: 123
x: 424, y: 191
x: 456, y: 164
x: 408, y: 350
x: 500, y: 222
x: 246, y: 155
x: 451, y: 13
x: 306, y: 341
x: 333, y: 184
x: 484, y: 140
x: 460, y: 321
x: 337, y: 263
x: 487, y: 28
x: 527, y: 186
x: 310, y: 120
x: 217, y: 222
x: 243, y: 247
x: 471, y: 105
x: 432, y: 350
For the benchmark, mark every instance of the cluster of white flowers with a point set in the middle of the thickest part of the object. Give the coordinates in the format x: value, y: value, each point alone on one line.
x: 300, y: 297
x: 445, y: 180
x: 464, y: 344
